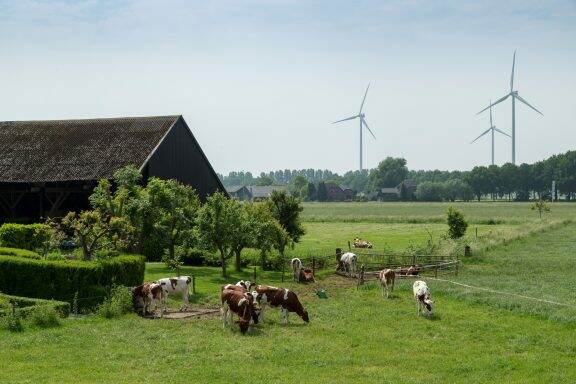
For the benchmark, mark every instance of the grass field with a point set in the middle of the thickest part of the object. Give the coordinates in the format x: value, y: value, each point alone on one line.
x: 355, y: 335
x: 391, y: 212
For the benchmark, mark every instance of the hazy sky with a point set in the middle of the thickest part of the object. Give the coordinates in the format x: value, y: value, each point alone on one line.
x: 259, y: 82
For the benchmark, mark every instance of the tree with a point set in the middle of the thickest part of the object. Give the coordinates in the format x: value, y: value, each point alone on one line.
x: 457, y: 225
x: 286, y: 209
x: 298, y: 187
x: 216, y: 223
x: 312, y: 193
x: 92, y: 229
x: 264, y: 180
x: 540, y: 206
x: 479, y: 180
x: 430, y: 191
x: 389, y: 173
x: 173, y: 211
x: 322, y: 193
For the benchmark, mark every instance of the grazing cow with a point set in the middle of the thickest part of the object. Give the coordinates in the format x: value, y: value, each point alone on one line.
x: 348, y: 263
x: 174, y: 285
x: 422, y: 297
x: 386, y: 277
x: 247, y: 285
x: 307, y: 276
x: 413, y: 270
x: 147, y: 296
x: 297, y: 268
x: 256, y: 309
x: 359, y: 243
x: 280, y: 297
x: 238, y: 302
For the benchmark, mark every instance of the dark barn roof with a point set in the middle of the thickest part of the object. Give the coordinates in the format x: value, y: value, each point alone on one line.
x: 64, y: 150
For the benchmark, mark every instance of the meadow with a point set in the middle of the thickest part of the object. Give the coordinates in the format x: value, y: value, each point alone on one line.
x: 355, y: 335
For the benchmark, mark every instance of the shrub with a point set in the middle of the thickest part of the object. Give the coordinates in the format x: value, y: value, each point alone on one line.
x: 19, y: 253
x: 25, y: 305
x: 456, y: 224
x: 62, y: 279
x: 118, y: 303
x: 44, y: 316
x: 26, y: 236
x: 11, y: 322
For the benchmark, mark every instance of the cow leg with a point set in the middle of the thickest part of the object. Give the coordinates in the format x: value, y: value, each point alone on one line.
x: 186, y: 298
x: 224, y: 313
x: 261, y: 315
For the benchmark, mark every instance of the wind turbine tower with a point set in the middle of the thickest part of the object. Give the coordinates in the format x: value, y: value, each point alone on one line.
x: 515, y: 96
x: 362, y: 120
x: 491, y: 130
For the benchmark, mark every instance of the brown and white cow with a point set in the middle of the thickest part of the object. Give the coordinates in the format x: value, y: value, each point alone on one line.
x: 175, y: 285
x: 386, y: 277
x: 422, y: 296
x: 147, y: 295
x: 307, y: 276
x: 280, y: 297
x: 236, y: 300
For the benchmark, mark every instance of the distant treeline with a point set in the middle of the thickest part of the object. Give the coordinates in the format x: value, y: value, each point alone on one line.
x: 514, y: 182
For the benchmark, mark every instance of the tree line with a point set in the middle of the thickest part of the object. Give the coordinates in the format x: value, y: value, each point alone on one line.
x: 512, y: 182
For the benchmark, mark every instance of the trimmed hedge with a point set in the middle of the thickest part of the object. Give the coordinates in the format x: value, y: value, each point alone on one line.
x: 24, y: 236
x: 19, y: 253
x: 27, y: 305
x: 60, y: 280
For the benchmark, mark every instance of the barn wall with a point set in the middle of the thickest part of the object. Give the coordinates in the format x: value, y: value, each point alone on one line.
x: 180, y: 157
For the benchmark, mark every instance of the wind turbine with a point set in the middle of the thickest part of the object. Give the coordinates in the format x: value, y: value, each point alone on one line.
x: 491, y: 130
x: 515, y: 96
x: 361, y: 116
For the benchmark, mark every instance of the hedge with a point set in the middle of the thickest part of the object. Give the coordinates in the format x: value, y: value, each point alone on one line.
x: 19, y: 252
x: 60, y: 280
x: 27, y: 305
x: 25, y: 236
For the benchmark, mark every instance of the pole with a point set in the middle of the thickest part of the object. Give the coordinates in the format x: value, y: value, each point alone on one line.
x: 360, y: 144
x: 193, y: 284
x: 513, y: 129
x: 492, y: 145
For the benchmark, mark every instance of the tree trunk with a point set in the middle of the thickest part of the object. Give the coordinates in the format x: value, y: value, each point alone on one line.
x: 223, y: 261
x: 238, y: 265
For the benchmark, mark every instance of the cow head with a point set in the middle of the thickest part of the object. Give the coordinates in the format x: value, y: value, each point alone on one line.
x: 429, y: 304
x: 305, y: 316
x: 244, y: 324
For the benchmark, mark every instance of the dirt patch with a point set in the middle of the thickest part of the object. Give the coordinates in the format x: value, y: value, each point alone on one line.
x: 187, y: 314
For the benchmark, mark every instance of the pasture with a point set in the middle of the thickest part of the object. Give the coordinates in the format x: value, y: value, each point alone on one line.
x: 355, y: 335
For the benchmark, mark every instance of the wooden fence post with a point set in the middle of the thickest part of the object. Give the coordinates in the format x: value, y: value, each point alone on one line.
x: 193, y: 284
x: 254, y: 275
x: 313, y: 265
x: 283, y: 267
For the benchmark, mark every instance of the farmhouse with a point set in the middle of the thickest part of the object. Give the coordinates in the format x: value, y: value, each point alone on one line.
x: 259, y: 192
x: 239, y: 192
x: 50, y: 167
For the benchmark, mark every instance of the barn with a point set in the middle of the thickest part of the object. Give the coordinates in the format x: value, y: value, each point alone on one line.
x: 50, y: 167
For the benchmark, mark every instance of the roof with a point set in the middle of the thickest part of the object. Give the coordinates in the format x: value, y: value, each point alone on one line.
x: 333, y: 187
x: 409, y: 183
x: 234, y: 188
x: 90, y: 149
x: 389, y: 190
x: 259, y: 191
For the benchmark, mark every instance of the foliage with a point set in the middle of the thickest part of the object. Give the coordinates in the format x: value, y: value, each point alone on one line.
x: 322, y: 193
x: 25, y: 236
x: 94, y: 231
x: 430, y: 191
x: 286, y: 210
x: 11, y: 322
x: 116, y: 304
x: 540, y: 206
x: 389, y: 173
x: 44, y: 316
x: 264, y: 181
x: 61, y: 279
x: 457, y: 225
x: 19, y: 252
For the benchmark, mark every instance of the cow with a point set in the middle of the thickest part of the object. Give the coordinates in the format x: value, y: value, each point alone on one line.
x: 238, y: 302
x: 359, y: 243
x: 147, y: 295
x: 307, y: 276
x: 348, y: 263
x: 174, y: 285
x: 280, y: 297
x: 413, y: 270
x: 422, y: 297
x: 386, y: 277
x: 297, y: 268
x: 256, y: 308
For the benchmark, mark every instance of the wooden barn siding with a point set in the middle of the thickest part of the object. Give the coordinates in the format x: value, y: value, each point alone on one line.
x: 180, y: 157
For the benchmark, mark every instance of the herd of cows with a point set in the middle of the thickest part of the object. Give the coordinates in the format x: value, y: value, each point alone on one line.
x: 248, y: 301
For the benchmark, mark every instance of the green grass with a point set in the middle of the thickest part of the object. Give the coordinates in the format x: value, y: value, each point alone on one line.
x: 392, y: 212
x: 354, y: 336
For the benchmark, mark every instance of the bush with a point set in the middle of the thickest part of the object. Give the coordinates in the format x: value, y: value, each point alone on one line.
x: 117, y: 304
x: 11, y: 322
x: 44, y: 316
x: 26, y: 236
x: 25, y: 305
x: 62, y: 279
x: 19, y: 253
x: 456, y: 224
x: 195, y: 256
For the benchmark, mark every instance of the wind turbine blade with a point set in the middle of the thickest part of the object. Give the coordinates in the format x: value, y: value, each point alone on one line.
x: 527, y: 103
x: 494, y: 103
x: 348, y: 118
x: 367, y: 127
x: 364, y: 99
x: 483, y: 133
x: 512, y: 76
x: 502, y: 132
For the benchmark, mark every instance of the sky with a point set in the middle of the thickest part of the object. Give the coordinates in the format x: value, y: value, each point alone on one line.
x: 260, y: 82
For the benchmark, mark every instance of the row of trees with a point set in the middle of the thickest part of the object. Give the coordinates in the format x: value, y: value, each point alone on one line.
x: 509, y: 181
x: 129, y: 217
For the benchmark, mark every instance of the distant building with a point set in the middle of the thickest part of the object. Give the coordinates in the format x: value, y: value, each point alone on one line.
x: 349, y: 194
x: 334, y: 192
x: 50, y: 167
x: 262, y: 192
x: 239, y: 192
x: 388, y: 194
